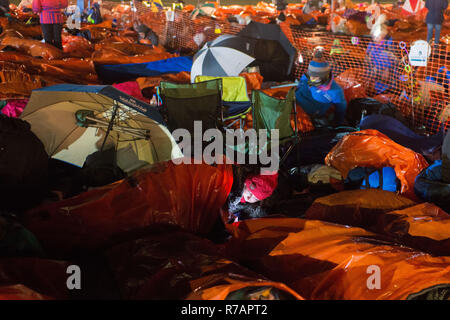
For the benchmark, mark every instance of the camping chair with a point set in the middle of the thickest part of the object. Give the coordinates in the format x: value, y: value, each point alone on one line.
x: 235, y: 101
x: 182, y: 104
x: 273, y: 113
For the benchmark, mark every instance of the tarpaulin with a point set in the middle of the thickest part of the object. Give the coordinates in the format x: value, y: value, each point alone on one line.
x: 22, y: 28
x: 147, y: 82
x: 40, y: 278
x: 402, y: 134
x: 131, y: 88
x: 370, y: 148
x: 352, y: 83
x: 172, y: 264
x: 77, y: 46
x: 130, y: 49
x: 33, y: 48
x: 189, y: 196
x: 320, y: 260
x: 14, y: 107
x: 253, y: 80
x: 358, y: 208
x: 425, y: 227
x: 114, y: 56
x: 125, y: 72
x: 20, y: 292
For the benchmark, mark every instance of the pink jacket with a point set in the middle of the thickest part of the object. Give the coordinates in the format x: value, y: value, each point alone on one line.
x: 50, y: 10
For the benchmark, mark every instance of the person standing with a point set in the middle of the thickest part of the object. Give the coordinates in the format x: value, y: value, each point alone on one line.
x: 435, y: 18
x: 51, y: 18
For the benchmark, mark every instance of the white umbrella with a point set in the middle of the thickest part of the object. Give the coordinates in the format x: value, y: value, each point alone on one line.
x: 73, y: 121
x: 225, y: 56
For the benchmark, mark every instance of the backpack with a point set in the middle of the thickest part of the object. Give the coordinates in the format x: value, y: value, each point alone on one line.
x: 100, y: 168
x: 357, y: 108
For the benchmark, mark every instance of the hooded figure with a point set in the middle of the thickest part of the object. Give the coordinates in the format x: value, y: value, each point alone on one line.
x: 381, y: 60
x: 317, y: 91
x: 145, y: 33
x: 248, y: 191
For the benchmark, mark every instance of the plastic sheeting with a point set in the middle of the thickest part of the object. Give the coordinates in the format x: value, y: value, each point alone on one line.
x: 351, y: 81
x: 425, y: 227
x: 402, y: 134
x: 326, y: 261
x: 14, y: 107
x: 20, y: 292
x: 172, y: 264
x: 359, y: 208
x: 33, y: 278
x: 126, y: 72
x: 189, y: 196
x: 33, y: 48
x: 115, y: 56
x: 131, y: 88
x: 370, y: 148
x: 77, y: 46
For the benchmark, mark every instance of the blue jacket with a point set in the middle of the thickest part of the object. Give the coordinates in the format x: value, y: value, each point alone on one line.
x: 436, y: 10
x: 316, y: 102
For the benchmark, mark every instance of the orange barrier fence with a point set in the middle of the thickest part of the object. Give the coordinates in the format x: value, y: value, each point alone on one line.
x: 362, y: 67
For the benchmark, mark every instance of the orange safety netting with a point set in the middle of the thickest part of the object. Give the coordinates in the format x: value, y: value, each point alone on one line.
x: 370, y: 148
x: 424, y: 103
x: 189, y: 196
x: 320, y: 260
x: 172, y: 264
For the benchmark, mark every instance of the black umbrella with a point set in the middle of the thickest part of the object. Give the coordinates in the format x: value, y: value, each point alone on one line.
x: 273, y: 52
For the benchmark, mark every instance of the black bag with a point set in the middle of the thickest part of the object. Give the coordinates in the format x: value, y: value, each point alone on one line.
x: 23, y: 165
x: 100, y: 168
x: 357, y: 107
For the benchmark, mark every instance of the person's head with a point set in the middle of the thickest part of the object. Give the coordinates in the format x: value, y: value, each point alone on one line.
x: 259, y: 187
x: 379, y: 29
x: 319, y: 70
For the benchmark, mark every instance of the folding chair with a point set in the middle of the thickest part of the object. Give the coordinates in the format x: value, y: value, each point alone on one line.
x: 182, y: 104
x: 235, y: 101
x: 273, y: 113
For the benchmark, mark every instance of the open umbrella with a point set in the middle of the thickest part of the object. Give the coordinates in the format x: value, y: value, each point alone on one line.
x: 74, y: 121
x: 273, y: 52
x: 225, y: 56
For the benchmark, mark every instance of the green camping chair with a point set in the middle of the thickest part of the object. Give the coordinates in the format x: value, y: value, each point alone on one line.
x: 273, y: 113
x: 235, y: 101
x: 182, y: 104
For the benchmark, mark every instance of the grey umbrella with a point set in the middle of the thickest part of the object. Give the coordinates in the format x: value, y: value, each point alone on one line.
x: 225, y: 56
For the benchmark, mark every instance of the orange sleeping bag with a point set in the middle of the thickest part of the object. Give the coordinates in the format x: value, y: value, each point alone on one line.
x: 189, y: 196
x: 33, y: 279
x: 170, y: 264
x: 320, y: 260
x: 424, y: 226
x: 371, y: 148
